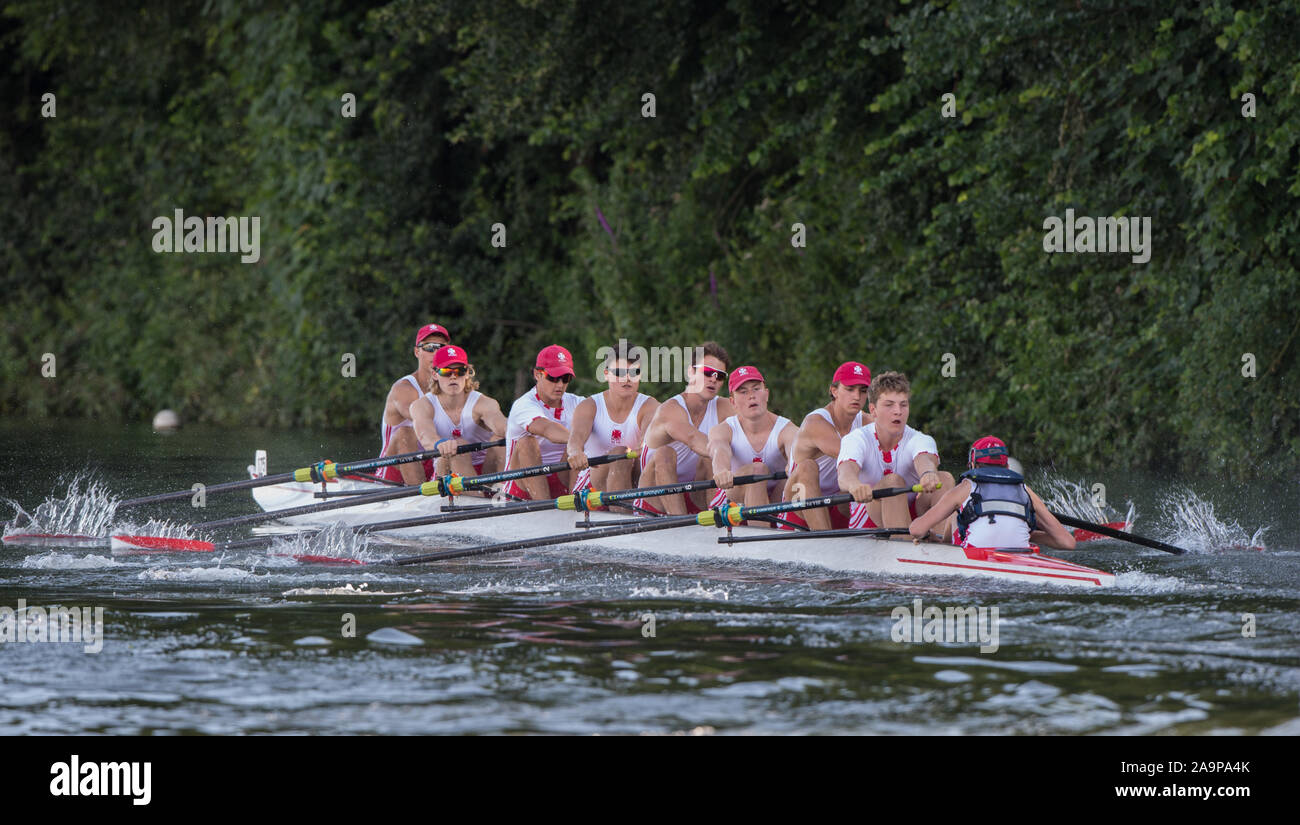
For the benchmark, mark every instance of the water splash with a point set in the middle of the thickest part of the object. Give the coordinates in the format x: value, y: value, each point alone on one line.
x: 1074, y: 499
x: 86, y: 509
x: 336, y: 541
x: 1197, y: 527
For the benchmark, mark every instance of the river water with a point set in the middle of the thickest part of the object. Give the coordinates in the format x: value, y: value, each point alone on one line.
x: 558, y: 641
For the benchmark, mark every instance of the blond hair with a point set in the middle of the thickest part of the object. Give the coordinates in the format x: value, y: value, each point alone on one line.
x: 470, y: 383
x: 888, y: 382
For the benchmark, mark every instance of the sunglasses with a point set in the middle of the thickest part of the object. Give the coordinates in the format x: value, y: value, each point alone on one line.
x: 432, y: 346
x: 710, y: 372
x: 563, y: 379
x: 448, y: 372
x: 625, y: 372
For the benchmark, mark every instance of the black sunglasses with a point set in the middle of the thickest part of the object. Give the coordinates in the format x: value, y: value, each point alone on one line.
x: 432, y: 346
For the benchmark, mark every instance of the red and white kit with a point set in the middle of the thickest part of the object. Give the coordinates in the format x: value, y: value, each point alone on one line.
x: 687, y: 460
x: 743, y: 455
x: 466, y: 429
x: 828, y: 465
x: 386, y: 430
x: 527, y: 409
x: 608, y: 434
x: 863, y: 446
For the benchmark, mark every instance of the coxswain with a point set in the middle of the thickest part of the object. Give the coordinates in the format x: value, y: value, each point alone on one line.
x: 610, y: 422
x: 887, y: 454
x: 813, y: 471
x: 676, y: 445
x: 754, y: 441
x: 994, y: 507
x: 537, y: 430
x: 396, y: 427
x: 453, y: 413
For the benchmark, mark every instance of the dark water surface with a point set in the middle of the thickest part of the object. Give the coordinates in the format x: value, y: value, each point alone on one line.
x: 554, y: 641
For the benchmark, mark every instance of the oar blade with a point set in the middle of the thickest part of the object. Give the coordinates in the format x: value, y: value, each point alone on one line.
x: 54, y: 540
x: 125, y: 545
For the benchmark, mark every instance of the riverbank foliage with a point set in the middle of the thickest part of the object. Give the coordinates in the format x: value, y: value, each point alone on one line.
x: 924, y: 233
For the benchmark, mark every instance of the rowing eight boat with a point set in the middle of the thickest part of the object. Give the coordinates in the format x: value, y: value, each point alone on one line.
x: 854, y: 554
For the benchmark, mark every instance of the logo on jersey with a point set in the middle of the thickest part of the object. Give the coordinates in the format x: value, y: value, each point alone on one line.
x: 616, y: 436
x: 455, y: 433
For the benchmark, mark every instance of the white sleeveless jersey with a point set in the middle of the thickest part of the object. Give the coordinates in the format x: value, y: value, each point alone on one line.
x: 1003, y: 531
x: 743, y: 455
x: 527, y: 409
x: 828, y: 465
x: 606, y: 433
x: 465, y: 429
x: 386, y: 430
x: 687, y: 461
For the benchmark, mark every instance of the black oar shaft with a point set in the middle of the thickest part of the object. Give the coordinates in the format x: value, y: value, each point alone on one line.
x: 280, y: 478
x: 523, y: 544
x: 1103, y: 530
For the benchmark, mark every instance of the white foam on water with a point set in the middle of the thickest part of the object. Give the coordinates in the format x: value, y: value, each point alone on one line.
x: 699, y: 591
x: 196, y: 574
x: 67, y: 561
x: 1140, y: 582
x: 312, y: 641
x: 346, y: 590
x: 1198, y: 529
x: 393, y: 636
x: 503, y: 587
x: 86, y: 509
x: 1075, y: 499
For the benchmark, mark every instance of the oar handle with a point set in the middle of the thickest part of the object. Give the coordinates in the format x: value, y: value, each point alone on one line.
x: 1103, y: 530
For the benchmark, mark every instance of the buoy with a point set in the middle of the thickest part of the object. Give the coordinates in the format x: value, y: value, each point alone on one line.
x: 166, y: 420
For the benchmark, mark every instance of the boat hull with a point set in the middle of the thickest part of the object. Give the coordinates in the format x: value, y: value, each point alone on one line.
x: 848, y: 554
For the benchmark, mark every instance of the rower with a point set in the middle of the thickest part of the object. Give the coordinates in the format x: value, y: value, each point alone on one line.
x: 994, y: 507
x: 886, y: 454
x: 676, y: 445
x: 453, y: 412
x: 812, y: 471
x: 610, y: 423
x: 537, y: 430
x: 754, y: 441
x: 398, y: 432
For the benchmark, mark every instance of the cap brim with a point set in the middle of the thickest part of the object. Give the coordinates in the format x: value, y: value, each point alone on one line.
x: 556, y: 372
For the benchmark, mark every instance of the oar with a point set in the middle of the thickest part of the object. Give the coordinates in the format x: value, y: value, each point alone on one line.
x: 819, y: 534
x: 316, y: 472
x: 435, y: 487
x: 1103, y: 530
x: 724, y: 515
x: 158, y: 544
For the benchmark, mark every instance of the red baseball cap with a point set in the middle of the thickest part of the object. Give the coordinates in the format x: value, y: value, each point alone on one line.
x: 851, y: 373
x: 988, y: 450
x: 431, y: 329
x: 450, y: 354
x: 742, y: 374
x: 556, y: 360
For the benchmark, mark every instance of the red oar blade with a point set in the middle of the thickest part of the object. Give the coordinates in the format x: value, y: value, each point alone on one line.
x: 1087, y: 535
x: 53, y: 540
x: 140, y: 545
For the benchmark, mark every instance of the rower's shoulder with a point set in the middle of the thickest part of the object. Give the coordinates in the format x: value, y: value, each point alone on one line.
x: 403, y: 386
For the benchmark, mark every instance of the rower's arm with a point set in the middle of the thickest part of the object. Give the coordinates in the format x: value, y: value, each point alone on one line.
x: 847, y: 473
x: 946, y: 506
x: 402, y: 396
x: 678, y: 426
x: 822, y: 435
x: 786, y: 442
x: 719, y: 452
x: 644, y: 421
x: 422, y: 419
x: 552, y: 431
x: 1050, y: 531
x: 584, y: 418
x: 487, y: 413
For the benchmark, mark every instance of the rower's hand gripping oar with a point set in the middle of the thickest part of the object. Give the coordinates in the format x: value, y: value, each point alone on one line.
x: 318, y: 472
x: 441, y: 486
x: 726, y: 515
x: 1103, y: 530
